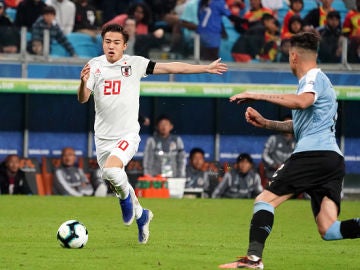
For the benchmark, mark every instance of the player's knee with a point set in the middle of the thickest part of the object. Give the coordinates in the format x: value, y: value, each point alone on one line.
x: 114, y: 175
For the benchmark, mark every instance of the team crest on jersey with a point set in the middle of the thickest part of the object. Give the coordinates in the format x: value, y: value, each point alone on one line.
x: 97, y: 72
x: 126, y: 71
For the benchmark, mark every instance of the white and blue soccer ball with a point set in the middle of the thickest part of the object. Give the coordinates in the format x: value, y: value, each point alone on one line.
x: 72, y: 234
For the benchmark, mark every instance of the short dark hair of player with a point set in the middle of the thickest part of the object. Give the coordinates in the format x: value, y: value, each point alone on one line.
x: 196, y: 150
x: 306, y: 40
x: 49, y: 10
x: 244, y: 156
x: 114, y: 27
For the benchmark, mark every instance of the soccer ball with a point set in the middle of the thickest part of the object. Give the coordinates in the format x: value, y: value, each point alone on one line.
x: 72, y: 234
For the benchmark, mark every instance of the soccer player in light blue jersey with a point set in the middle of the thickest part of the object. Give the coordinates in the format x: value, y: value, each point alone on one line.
x: 316, y: 166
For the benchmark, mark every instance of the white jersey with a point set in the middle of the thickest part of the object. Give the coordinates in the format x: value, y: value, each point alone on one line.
x: 116, y: 90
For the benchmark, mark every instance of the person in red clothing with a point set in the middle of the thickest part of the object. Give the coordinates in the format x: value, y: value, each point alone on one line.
x: 351, y: 29
x: 142, y: 14
x: 296, y: 6
x: 255, y: 13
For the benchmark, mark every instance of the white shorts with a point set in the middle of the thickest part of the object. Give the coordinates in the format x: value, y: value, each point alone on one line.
x: 124, y: 148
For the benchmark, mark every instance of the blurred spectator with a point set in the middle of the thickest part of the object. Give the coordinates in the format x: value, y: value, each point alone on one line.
x: 70, y: 179
x: 259, y: 42
x: 142, y: 14
x: 317, y: 16
x: 254, y: 14
x: 277, y: 149
x: 296, y: 6
x: 236, y: 7
x: 85, y: 18
x: 274, y: 5
x: 283, y: 52
x: 162, y: 13
x: 198, y: 175
x: 9, y: 34
x: 330, y: 48
x: 351, y: 29
x: 65, y: 14
x: 210, y: 27
x: 47, y: 21
x: 164, y: 152
x: 141, y: 44
x: 12, y: 3
x: 241, y: 182
x: 12, y: 178
x: 28, y: 11
x: 111, y: 8
x: 295, y: 25
x: 188, y: 24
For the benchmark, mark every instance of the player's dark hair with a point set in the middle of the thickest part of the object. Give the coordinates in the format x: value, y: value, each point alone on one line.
x: 114, y: 27
x: 196, y: 150
x: 306, y: 40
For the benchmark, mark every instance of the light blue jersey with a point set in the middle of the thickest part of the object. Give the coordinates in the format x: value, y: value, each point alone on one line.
x: 314, y: 127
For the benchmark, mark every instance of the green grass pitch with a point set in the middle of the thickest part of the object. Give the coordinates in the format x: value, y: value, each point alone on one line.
x: 187, y: 234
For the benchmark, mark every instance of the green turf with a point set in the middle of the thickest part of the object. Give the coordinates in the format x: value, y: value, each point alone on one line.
x: 186, y: 234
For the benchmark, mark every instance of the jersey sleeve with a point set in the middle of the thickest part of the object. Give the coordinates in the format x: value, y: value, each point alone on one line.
x: 310, y: 85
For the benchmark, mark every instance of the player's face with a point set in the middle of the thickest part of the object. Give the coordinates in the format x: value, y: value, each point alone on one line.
x: 114, y: 46
x: 197, y: 161
x: 292, y: 60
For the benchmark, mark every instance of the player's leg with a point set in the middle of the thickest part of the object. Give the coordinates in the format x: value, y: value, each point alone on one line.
x: 114, y: 172
x: 260, y: 228
x: 332, y: 229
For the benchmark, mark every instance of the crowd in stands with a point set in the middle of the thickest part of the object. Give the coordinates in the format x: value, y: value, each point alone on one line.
x: 259, y: 29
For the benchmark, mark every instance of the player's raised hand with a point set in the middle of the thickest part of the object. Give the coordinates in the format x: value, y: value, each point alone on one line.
x: 85, y: 73
x: 217, y: 67
x: 253, y: 117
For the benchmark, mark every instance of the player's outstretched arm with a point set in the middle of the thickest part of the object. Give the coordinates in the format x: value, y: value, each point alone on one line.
x: 253, y: 117
x: 215, y: 67
x: 83, y: 92
x: 290, y: 101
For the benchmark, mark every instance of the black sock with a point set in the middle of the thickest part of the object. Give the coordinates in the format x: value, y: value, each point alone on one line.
x: 260, y: 228
x: 350, y: 228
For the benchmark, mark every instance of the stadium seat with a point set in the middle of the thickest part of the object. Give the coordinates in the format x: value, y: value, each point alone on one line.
x: 31, y: 167
x: 57, y: 50
x: 85, y: 46
x: 48, y: 165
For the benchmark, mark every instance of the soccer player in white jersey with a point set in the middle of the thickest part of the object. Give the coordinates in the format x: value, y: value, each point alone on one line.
x: 114, y: 81
x: 316, y: 166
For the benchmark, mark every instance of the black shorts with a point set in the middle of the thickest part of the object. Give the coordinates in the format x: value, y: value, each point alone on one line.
x: 318, y: 173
